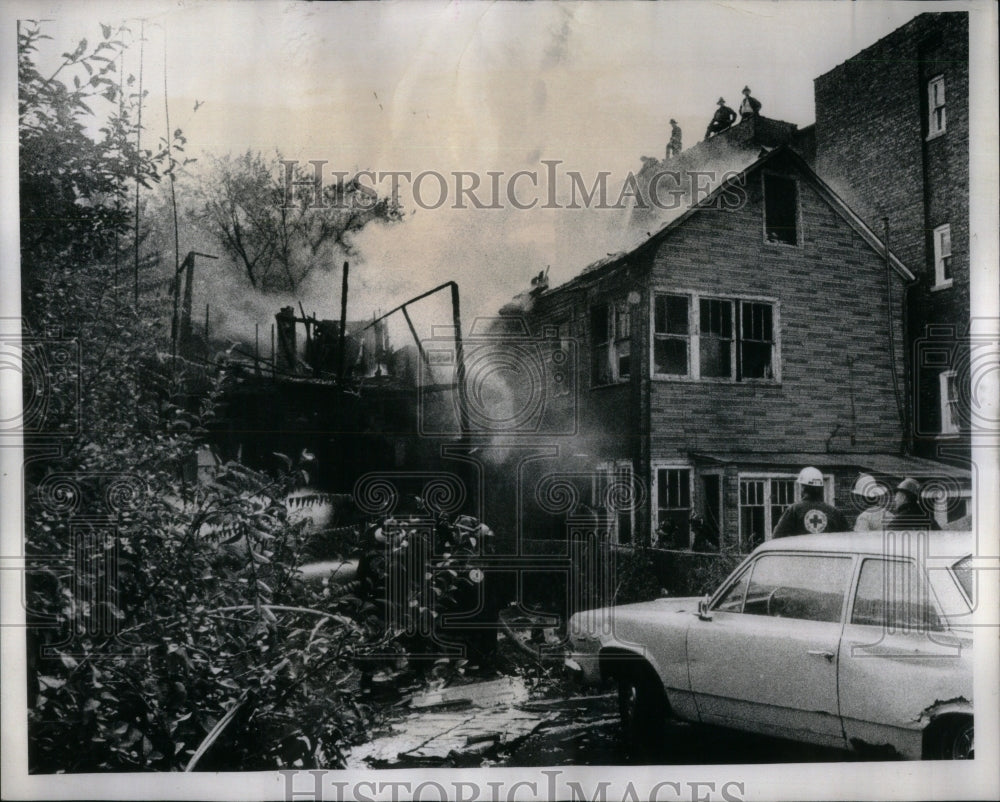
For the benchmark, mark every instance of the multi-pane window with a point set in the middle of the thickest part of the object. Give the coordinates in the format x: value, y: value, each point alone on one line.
x: 762, y: 502
x: 942, y: 256
x: 610, y: 342
x: 671, y: 335
x: 673, y: 507
x: 781, y: 210
x: 935, y: 106
x: 732, y: 339
x: 949, y: 402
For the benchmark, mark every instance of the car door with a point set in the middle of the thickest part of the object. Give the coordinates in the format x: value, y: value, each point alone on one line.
x: 898, y: 657
x: 766, y: 660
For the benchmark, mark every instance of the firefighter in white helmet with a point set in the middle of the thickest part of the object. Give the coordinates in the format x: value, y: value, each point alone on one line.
x: 811, y: 515
x: 875, y: 496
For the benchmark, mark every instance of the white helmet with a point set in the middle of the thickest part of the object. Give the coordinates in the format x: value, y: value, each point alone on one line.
x: 869, y: 488
x: 810, y: 477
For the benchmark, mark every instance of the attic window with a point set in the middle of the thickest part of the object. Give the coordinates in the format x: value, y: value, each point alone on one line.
x: 781, y: 210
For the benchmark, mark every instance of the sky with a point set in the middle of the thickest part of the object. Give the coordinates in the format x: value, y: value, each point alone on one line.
x: 468, y: 86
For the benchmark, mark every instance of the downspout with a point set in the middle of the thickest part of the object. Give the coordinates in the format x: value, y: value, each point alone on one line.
x: 900, y: 405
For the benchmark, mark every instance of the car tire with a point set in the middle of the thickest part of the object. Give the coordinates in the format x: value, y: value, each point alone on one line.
x: 956, y: 740
x: 642, y: 707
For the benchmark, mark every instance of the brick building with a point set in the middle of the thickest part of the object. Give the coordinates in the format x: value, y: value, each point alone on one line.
x: 892, y: 138
x: 751, y: 335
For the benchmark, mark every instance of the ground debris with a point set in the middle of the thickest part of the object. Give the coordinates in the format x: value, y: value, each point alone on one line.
x: 458, y: 725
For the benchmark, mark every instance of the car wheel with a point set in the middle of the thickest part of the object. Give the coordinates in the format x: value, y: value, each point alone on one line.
x: 955, y: 740
x: 642, y: 707
x: 959, y: 743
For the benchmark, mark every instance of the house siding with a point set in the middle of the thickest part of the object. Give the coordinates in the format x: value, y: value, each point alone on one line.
x: 835, y: 392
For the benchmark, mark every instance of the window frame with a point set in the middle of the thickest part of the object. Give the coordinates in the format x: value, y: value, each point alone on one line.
x: 941, y: 280
x: 749, y: 569
x: 946, y: 403
x: 655, y: 335
x: 666, y: 465
x: 693, y: 338
x: 611, y: 469
x: 611, y: 343
x: 732, y: 339
x: 885, y: 625
x: 799, y: 234
x: 933, y: 129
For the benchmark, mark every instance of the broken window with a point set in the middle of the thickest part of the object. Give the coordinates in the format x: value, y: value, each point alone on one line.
x: 948, y: 384
x: 673, y: 501
x: 671, y: 334
x: 781, y: 210
x: 756, y: 350
x: 716, y: 347
x: 733, y: 339
x: 610, y: 342
x: 942, y: 256
x: 935, y: 106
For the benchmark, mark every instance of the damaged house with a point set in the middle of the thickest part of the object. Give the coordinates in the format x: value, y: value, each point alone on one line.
x: 754, y: 333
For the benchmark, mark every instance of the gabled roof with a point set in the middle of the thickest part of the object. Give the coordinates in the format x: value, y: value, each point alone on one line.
x: 782, y: 152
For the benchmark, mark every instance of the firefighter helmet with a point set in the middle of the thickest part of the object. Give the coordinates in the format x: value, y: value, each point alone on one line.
x: 810, y: 477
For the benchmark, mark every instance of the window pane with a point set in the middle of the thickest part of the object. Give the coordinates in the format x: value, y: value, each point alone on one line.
x: 965, y: 574
x: 781, y: 209
x: 782, y: 497
x: 755, y: 360
x: 752, y: 522
x: 716, y: 317
x: 806, y: 587
x: 716, y: 357
x: 673, y: 488
x: 892, y: 594
x: 624, y: 351
x: 670, y: 356
x: 671, y: 314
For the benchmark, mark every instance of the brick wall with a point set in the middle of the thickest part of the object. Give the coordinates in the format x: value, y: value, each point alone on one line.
x: 872, y: 146
x: 831, y: 297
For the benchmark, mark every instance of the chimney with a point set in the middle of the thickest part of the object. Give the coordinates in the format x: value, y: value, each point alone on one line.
x: 287, y: 350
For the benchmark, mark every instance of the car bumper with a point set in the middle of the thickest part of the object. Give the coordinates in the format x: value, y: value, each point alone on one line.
x: 583, y: 666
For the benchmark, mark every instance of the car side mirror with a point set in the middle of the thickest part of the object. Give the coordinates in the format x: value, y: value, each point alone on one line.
x: 703, y: 612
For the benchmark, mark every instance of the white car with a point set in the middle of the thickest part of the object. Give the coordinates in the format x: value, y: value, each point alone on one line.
x: 858, y: 641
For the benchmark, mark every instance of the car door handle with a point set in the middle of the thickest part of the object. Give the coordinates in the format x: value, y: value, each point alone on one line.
x: 822, y: 653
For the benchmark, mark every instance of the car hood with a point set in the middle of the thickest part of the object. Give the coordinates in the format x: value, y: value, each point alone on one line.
x: 686, y: 604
